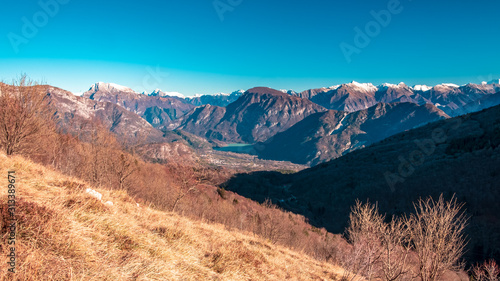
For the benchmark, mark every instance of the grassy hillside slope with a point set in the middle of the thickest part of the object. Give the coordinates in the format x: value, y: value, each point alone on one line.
x: 63, y: 233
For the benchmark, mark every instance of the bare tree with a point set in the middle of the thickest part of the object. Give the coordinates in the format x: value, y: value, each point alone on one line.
x: 436, y: 231
x: 188, y: 183
x: 394, y: 263
x: 272, y: 225
x: 25, y: 116
x: 99, y: 149
x: 365, y: 224
x: 123, y: 166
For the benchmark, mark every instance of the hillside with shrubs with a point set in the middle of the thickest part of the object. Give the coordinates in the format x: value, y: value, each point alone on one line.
x: 91, y: 206
x: 71, y: 230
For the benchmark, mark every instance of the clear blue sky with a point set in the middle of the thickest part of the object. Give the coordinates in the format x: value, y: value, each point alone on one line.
x: 282, y: 44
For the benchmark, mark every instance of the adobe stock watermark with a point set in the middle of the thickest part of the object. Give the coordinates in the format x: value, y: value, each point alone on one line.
x: 223, y: 6
x: 425, y: 148
x: 31, y: 26
x: 11, y: 237
x: 363, y: 37
x: 153, y: 78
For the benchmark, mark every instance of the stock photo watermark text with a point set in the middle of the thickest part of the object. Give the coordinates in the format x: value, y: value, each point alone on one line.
x: 363, y: 36
x: 31, y: 26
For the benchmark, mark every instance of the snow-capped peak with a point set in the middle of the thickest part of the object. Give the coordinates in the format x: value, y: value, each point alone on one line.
x: 451, y: 85
x: 363, y: 86
x: 239, y: 92
x: 101, y: 86
x: 423, y: 88
x: 389, y: 85
x: 290, y: 92
x: 160, y: 93
x: 222, y: 94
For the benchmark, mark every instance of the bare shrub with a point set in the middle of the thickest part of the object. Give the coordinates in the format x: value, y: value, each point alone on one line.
x: 380, y: 249
x: 436, y: 231
x: 365, y: 226
x: 26, y: 117
x: 488, y: 271
x: 188, y: 182
x: 123, y: 166
x: 274, y: 223
x: 394, y: 264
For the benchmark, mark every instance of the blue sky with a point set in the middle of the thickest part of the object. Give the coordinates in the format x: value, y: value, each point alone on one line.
x: 190, y: 47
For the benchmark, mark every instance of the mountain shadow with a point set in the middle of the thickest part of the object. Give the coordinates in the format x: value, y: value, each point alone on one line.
x: 458, y: 156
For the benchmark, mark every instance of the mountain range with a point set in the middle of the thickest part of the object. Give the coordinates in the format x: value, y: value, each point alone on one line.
x: 75, y: 112
x: 220, y: 99
x: 357, y: 96
x: 309, y: 127
x: 405, y: 146
x: 331, y: 134
x: 456, y: 157
x: 157, y: 108
x: 257, y: 115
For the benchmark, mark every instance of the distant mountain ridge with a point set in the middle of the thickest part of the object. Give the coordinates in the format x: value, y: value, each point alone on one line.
x: 74, y: 112
x: 157, y: 110
x: 327, y: 135
x: 160, y: 108
x: 255, y: 116
x: 220, y: 99
x: 352, y: 96
x: 268, y: 117
x: 356, y: 96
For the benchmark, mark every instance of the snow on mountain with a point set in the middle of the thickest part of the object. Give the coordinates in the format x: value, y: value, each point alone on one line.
x: 160, y: 93
x: 175, y: 94
x: 112, y: 87
x: 239, y: 92
x: 363, y: 86
x: 222, y: 94
x: 450, y: 85
x: 423, y: 88
x: 290, y: 92
x: 389, y: 85
x: 101, y: 86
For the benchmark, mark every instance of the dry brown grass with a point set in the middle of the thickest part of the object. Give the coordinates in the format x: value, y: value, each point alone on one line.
x: 65, y: 234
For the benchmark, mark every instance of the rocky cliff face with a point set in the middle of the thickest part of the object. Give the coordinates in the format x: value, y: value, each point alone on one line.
x: 257, y: 115
x: 328, y: 135
x: 158, y: 110
x: 74, y: 112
